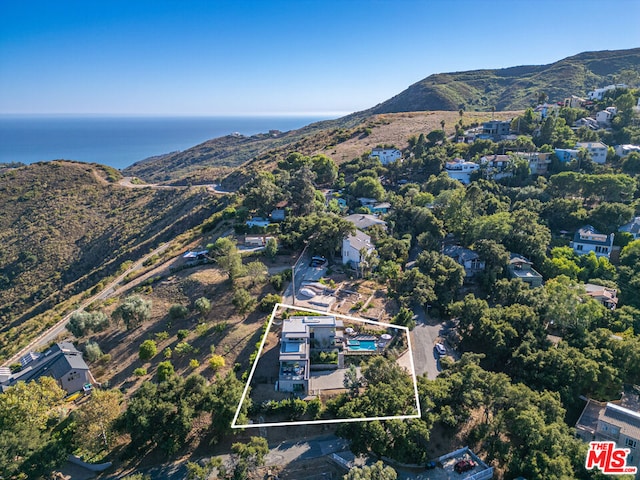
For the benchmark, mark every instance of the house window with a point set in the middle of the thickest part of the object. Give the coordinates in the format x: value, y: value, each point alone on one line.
x: 630, y: 443
x: 578, y: 247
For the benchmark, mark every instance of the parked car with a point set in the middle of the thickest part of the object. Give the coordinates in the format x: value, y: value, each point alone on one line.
x: 318, y: 262
x: 440, y: 349
x: 464, y: 466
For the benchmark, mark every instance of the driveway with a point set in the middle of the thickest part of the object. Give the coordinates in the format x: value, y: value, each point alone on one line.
x: 423, y: 338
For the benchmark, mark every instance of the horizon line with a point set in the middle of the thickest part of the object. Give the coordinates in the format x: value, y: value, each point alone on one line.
x: 332, y: 114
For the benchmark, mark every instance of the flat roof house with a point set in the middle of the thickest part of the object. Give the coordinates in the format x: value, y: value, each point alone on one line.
x: 297, y: 335
x: 461, y: 170
x: 588, y: 239
x: 520, y: 267
x: 386, y: 155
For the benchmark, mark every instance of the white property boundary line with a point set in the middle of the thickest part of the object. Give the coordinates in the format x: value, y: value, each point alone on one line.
x: 333, y: 420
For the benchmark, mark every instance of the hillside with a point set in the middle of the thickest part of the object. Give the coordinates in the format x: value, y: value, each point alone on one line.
x: 64, y: 227
x: 512, y: 88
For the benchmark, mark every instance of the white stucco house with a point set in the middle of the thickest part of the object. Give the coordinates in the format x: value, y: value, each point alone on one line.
x: 461, y: 170
x: 352, y: 246
x: 624, y: 150
x: 597, y: 150
x: 598, y: 93
x: 386, y: 155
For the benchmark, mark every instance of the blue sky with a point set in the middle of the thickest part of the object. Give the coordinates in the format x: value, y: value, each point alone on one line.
x: 220, y: 57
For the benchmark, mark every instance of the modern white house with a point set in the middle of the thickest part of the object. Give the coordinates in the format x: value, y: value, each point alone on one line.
x: 598, y: 93
x: 299, y: 335
x: 461, y: 170
x: 258, y: 222
x: 574, y: 102
x: 386, y: 155
x: 588, y: 239
x: 353, y: 245
x: 597, y: 150
x: 624, y: 150
x: 604, y: 117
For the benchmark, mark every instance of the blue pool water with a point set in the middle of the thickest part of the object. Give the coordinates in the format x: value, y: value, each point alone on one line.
x: 367, y: 345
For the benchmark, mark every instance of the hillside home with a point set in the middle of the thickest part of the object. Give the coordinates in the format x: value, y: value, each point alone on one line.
x: 62, y: 361
x: 256, y: 240
x: 386, y: 155
x: 597, y: 150
x: 496, y: 129
x: 520, y: 267
x: 545, y: 110
x: 604, y: 117
x: 496, y: 166
x: 362, y: 221
x: 278, y: 214
x: 588, y: 239
x: 589, y: 122
x: 352, y: 247
x: 617, y: 422
x: 379, y: 208
x: 623, y: 150
x: 365, y: 202
x: 538, y: 162
x: 574, y: 102
x: 461, y: 170
x: 258, y: 222
x: 566, y: 154
x: 607, y: 296
x: 298, y: 335
x: 633, y: 227
x: 598, y: 93
x: 469, y: 259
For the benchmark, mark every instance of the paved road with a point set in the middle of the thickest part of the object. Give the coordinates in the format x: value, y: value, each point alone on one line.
x: 48, y: 336
x: 212, y: 187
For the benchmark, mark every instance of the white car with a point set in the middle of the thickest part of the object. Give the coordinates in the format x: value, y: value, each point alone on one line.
x: 440, y: 349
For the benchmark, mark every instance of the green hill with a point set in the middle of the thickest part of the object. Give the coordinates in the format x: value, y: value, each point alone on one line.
x: 513, y: 88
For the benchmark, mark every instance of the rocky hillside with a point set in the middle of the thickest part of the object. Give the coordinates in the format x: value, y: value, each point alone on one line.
x: 513, y: 88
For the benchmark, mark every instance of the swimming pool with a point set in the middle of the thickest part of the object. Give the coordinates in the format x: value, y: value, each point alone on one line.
x: 366, y: 345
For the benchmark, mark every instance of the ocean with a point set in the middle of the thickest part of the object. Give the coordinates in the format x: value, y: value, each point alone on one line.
x: 121, y: 141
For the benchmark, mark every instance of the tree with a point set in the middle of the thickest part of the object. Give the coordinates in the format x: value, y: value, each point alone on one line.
x: 262, y: 193
x: 243, y: 300
x: 404, y: 317
x: 178, y: 311
x: 325, y: 169
x: 352, y: 381
x: 25, y: 412
x: 165, y: 370
x: 203, y: 305
x: 93, y: 352
x: 377, y: 471
x: 247, y: 457
x: 257, y: 271
x: 133, y: 311
x: 147, y: 350
x: 82, y: 322
x: 302, y: 191
x: 367, y: 187
x: 95, y: 419
x: 271, y: 248
x: 228, y: 258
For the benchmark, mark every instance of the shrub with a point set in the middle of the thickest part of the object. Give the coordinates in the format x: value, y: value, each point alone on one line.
x: 165, y: 370
x: 82, y: 323
x: 178, y: 311
x: 269, y: 301
x: 93, y: 351
x: 203, y: 305
x: 133, y: 311
x: 183, y: 348
x: 216, y: 362
x: 148, y: 349
x: 243, y: 301
x: 162, y: 336
x: 193, y: 364
x: 202, y: 329
x: 140, y: 372
x: 182, y: 334
x: 167, y: 353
